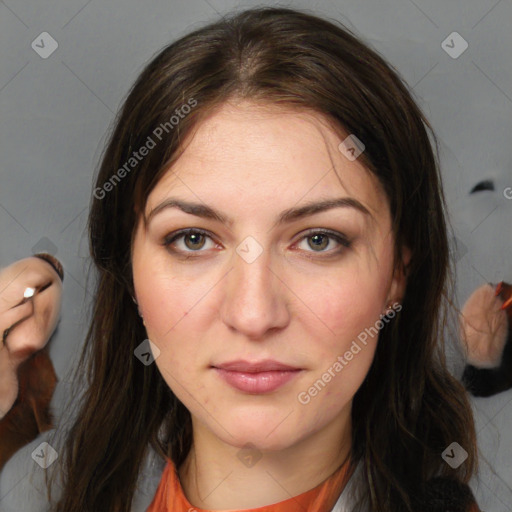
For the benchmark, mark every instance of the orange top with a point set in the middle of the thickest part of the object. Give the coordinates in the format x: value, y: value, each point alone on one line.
x: 169, y: 496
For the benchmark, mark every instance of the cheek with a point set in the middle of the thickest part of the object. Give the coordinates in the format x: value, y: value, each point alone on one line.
x: 348, y: 313
x: 167, y: 303
x: 50, y: 308
x: 347, y: 305
x: 176, y: 322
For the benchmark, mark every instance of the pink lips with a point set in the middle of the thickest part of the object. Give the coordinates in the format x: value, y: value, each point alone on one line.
x: 260, y: 377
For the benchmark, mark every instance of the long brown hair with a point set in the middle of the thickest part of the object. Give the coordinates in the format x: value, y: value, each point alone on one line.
x: 409, y: 408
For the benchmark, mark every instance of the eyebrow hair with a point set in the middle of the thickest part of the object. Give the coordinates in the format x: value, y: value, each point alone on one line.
x: 289, y: 215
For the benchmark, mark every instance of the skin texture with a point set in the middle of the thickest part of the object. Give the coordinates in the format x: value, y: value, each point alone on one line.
x: 484, y: 327
x: 32, y: 320
x: 252, y: 163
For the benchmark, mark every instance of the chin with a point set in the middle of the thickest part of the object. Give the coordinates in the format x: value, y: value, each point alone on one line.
x: 271, y: 433
x: 261, y: 440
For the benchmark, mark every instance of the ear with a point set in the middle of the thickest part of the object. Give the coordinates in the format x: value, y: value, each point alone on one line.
x: 399, y: 282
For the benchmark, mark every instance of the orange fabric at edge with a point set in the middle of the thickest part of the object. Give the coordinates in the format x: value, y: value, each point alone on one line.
x: 170, y: 497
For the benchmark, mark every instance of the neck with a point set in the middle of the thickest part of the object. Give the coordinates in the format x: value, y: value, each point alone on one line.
x: 214, y: 477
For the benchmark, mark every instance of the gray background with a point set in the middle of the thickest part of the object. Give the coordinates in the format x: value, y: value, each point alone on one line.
x: 55, y: 112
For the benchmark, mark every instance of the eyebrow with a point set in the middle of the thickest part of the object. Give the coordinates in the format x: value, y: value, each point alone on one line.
x: 287, y: 216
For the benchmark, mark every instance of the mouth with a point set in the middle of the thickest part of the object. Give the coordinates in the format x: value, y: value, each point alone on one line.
x: 256, y: 378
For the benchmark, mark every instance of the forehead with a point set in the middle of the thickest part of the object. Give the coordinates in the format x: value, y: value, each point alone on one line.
x: 275, y: 155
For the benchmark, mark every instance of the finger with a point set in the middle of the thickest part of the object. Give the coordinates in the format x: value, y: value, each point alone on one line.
x: 14, y: 291
x: 13, y: 317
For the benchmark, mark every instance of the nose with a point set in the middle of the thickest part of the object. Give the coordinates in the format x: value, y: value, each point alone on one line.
x: 255, y: 297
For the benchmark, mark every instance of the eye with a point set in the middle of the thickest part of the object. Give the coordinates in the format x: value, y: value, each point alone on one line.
x: 320, y: 239
x: 194, y: 240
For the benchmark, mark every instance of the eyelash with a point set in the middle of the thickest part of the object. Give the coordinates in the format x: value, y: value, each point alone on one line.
x: 338, y: 237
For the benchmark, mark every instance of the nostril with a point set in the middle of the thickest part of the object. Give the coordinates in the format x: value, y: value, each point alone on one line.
x: 53, y: 261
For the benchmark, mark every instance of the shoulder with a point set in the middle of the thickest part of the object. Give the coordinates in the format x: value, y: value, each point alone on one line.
x: 352, y: 498
x: 149, y: 479
x: 23, y: 485
x: 22, y: 479
x: 443, y: 492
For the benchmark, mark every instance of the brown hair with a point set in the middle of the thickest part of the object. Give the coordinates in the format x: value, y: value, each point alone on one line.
x: 409, y: 408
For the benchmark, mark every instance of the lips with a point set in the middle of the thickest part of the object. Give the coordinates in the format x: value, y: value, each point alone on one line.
x: 267, y: 365
x: 258, y: 377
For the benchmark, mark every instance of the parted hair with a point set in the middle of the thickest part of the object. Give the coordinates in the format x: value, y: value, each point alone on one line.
x: 409, y: 407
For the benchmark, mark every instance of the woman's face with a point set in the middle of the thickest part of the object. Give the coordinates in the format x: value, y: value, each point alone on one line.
x: 265, y: 284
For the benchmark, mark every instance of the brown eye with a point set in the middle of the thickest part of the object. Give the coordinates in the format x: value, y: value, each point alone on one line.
x: 320, y: 240
x: 193, y: 241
